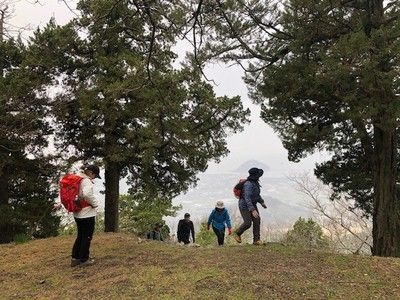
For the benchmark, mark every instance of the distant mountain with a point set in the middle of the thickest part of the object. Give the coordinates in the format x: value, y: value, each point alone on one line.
x: 283, y: 202
x: 279, y: 213
x: 244, y: 168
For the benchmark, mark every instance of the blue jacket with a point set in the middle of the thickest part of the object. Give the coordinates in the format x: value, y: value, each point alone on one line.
x: 250, y: 196
x: 218, y: 219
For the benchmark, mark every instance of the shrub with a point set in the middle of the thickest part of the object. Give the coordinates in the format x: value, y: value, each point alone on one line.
x: 307, y: 234
x: 205, y: 237
x: 22, y: 238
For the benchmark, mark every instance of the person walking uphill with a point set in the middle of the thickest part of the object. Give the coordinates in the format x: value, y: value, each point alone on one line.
x: 85, y: 218
x: 248, y: 206
x: 185, y: 227
x: 217, y: 219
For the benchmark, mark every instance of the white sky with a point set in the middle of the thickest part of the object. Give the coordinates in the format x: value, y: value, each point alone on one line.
x: 257, y: 141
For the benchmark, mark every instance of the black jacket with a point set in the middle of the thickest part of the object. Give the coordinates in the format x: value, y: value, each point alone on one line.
x: 184, y: 229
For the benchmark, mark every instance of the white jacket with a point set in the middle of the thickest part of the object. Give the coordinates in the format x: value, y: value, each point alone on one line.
x: 86, y: 192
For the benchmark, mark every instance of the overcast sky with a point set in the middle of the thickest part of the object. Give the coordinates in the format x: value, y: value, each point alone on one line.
x: 257, y: 141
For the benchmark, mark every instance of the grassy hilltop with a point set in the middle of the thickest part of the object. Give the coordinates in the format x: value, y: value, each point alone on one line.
x: 126, y: 269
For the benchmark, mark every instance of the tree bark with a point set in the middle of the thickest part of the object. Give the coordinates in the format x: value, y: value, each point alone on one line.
x: 112, y: 176
x: 4, y: 195
x: 6, y: 227
x: 386, y: 216
x: 2, y: 13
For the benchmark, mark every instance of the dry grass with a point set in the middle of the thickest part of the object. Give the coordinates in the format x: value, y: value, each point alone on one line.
x: 126, y: 269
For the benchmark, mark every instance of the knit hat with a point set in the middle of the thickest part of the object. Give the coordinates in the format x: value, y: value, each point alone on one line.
x: 187, y: 215
x: 256, y: 172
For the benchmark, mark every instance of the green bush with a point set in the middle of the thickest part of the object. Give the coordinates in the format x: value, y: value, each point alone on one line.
x: 139, y: 214
x: 307, y: 234
x: 205, y: 237
x: 21, y: 238
x: 99, y: 226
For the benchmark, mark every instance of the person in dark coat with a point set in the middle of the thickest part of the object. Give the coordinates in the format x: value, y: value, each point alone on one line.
x: 185, y: 227
x: 248, y: 206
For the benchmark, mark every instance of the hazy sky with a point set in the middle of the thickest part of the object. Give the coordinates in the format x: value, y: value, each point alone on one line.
x: 257, y: 141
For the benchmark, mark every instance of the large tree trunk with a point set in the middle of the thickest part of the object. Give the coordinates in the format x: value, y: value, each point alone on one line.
x: 2, y: 13
x: 6, y: 225
x: 111, y: 176
x: 3, y: 188
x: 386, y: 216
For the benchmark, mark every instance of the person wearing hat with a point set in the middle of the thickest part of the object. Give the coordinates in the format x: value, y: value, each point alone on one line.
x: 185, y: 227
x: 156, y: 234
x: 248, y: 206
x: 218, y: 218
x: 85, y: 219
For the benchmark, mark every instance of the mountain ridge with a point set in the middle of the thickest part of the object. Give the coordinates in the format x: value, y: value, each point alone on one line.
x: 247, y: 165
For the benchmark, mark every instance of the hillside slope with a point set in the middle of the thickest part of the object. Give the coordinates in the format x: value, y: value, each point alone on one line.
x: 126, y: 269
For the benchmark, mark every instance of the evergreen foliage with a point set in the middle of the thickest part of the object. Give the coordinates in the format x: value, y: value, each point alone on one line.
x: 26, y: 173
x: 140, y: 214
x: 307, y: 234
x: 120, y: 101
x: 205, y: 237
x: 326, y: 76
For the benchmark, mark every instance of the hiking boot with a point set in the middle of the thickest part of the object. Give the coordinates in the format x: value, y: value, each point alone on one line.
x: 89, y: 262
x: 75, y: 262
x: 238, y: 238
x: 258, y: 243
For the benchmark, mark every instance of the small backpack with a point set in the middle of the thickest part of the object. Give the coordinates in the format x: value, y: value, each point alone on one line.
x: 69, y: 193
x: 238, y: 188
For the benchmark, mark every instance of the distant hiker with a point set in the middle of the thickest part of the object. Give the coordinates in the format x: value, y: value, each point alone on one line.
x: 218, y: 218
x: 185, y: 227
x: 248, y: 206
x: 156, y: 234
x: 85, y: 217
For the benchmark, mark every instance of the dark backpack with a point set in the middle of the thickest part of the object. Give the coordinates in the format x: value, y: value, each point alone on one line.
x: 238, y: 188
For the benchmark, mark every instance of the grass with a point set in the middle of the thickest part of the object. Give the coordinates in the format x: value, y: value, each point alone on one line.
x: 21, y: 238
x: 127, y: 269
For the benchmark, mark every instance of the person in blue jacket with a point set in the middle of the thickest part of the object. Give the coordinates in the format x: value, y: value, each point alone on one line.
x: 248, y: 206
x: 218, y: 218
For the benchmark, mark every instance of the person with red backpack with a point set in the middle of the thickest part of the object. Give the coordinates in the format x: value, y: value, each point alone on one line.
x: 249, y: 197
x: 76, y: 193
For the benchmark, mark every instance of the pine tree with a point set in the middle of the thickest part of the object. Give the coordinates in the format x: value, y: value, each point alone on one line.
x: 123, y: 104
x: 308, y: 234
x: 139, y: 215
x: 26, y: 192
x: 326, y: 76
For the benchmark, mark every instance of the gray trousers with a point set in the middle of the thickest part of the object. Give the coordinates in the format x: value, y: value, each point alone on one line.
x: 248, y: 219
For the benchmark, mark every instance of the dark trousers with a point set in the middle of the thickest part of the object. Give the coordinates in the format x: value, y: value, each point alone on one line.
x: 81, y: 247
x: 220, y: 233
x: 248, y: 219
x: 185, y: 239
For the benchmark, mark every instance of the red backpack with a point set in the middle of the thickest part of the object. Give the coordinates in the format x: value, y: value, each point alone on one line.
x: 238, y: 188
x: 69, y: 191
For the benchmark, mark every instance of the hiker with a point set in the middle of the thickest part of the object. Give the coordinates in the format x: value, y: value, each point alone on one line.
x: 218, y: 218
x: 156, y: 234
x: 185, y: 226
x: 248, y: 206
x: 85, y: 218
